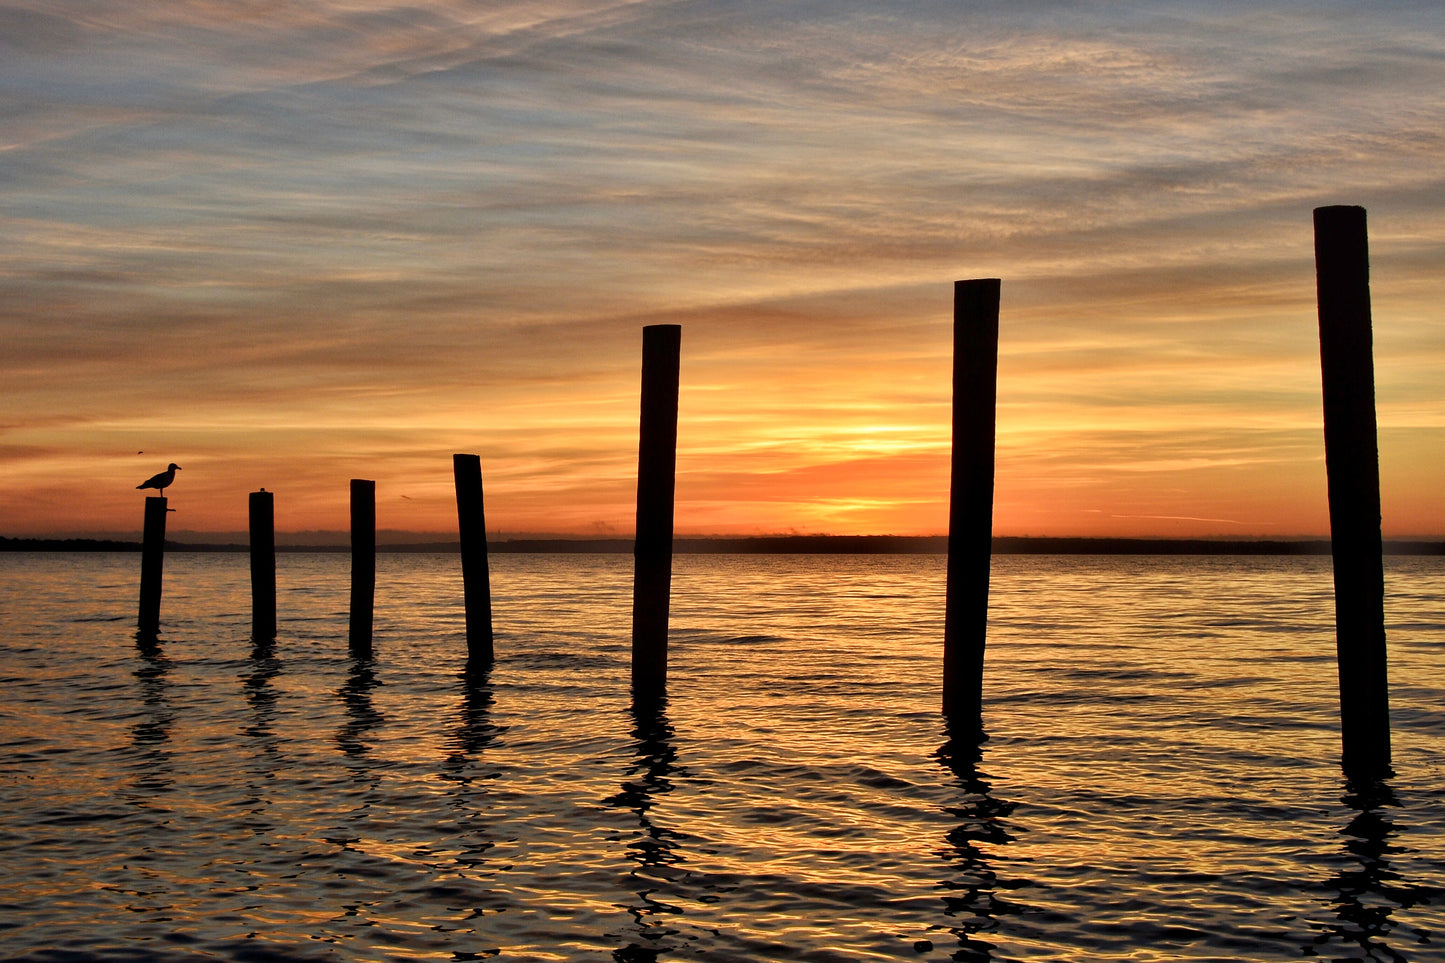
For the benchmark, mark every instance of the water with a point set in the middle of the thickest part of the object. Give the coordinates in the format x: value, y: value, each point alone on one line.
x: 1161, y: 780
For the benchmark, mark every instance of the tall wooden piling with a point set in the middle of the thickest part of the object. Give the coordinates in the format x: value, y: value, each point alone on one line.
x: 152, y: 562
x: 970, y: 508
x: 1352, y: 466
x: 363, y: 563
x: 476, y: 578
x: 656, y: 476
x: 263, y: 565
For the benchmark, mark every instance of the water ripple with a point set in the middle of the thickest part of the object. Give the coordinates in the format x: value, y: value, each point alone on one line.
x: 1160, y: 779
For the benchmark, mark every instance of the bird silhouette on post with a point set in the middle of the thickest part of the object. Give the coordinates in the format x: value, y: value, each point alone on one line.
x: 161, y: 480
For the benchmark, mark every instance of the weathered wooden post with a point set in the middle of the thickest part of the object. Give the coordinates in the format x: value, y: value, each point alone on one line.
x: 656, y: 476
x: 263, y: 565
x: 970, y: 507
x: 363, y: 563
x: 476, y: 579
x: 1352, y: 467
x: 152, y: 562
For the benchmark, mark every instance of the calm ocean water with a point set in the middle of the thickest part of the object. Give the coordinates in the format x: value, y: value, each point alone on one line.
x: 1161, y: 780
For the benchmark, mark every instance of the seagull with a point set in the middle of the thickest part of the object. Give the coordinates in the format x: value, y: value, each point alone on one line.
x: 162, y: 480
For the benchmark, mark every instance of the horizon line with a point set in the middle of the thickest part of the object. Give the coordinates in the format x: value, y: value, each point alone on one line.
x: 788, y: 544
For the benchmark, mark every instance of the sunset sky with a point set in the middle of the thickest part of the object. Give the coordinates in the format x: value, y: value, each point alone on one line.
x: 289, y: 244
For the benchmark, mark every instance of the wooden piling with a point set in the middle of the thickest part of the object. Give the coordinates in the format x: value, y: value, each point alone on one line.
x: 152, y: 562
x: 476, y: 578
x: 656, y: 476
x: 1352, y: 467
x: 970, y: 508
x: 363, y: 563
x: 263, y: 565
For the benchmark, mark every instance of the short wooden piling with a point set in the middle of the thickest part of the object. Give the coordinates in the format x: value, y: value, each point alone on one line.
x: 152, y: 562
x: 970, y: 509
x: 363, y: 563
x: 1352, y: 467
x: 656, y: 476
x: 476, y: 578
x: 263, y: 565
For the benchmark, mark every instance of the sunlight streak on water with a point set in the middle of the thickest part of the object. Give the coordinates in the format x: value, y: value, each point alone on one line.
x: 1161, y: 780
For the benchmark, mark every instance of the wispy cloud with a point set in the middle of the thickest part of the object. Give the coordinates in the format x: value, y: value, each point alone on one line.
x: 330, y: 237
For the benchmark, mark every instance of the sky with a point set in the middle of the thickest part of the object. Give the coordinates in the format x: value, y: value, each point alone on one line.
x: 288, y: 244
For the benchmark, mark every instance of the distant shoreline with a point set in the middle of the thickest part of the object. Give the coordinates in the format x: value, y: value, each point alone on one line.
x: 789, y: 545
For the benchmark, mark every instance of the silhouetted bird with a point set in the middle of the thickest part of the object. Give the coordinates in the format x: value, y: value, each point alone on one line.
x: 162, y: 480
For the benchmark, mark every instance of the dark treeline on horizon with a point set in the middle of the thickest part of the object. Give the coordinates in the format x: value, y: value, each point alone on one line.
x: 788, y: 545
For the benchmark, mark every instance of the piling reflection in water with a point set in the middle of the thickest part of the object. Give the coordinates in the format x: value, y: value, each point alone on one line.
x: 260, y: 695
x: 973, y: 885
x: 475, y: 731
x: 1369, y: 889
x: 361, y: 716
x: 265, y: 755
x: 353, y: 865
x: 152, y: 731
x: 466, y: 768
x: 654, y: 850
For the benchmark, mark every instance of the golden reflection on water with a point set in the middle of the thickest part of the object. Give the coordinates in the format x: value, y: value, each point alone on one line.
x: 1161, y: 779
